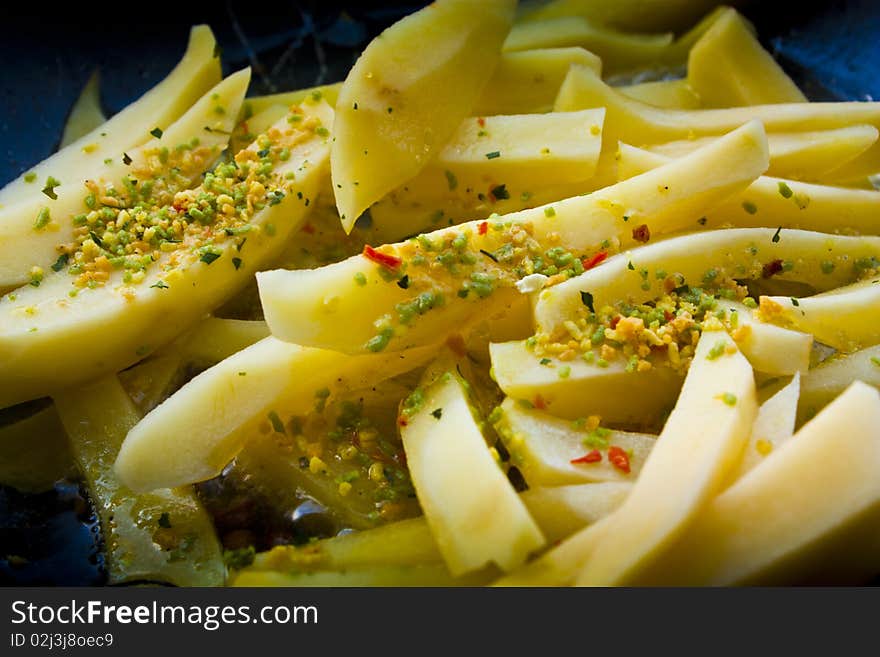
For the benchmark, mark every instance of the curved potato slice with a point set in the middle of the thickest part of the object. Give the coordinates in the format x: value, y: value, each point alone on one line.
x: 197, y: 71
x: 671, y: 94
x: 188, y: 147
x: 115, y: 324
x: 632, y: 15
x: 86, y: 113
x: 407, y: 93
x: 769, y: 528
x: 701, y: 441
x: 830, y: 378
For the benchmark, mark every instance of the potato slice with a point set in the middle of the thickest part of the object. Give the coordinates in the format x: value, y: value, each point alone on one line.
x: 34, y: 453
x: 620, y: 52
x: 671, y: 94
x: 637, y: 123
x: 472, y: 509
x: 728, y: 67
x: 215, y: 339
x: 830, y: 378
x: 86, y: 113
x: 116, y: 324
x: 406, y: 95
x: 197, y: 71
x: 543, y: 448
x: 739, y: 252
x: 631, y: 15
x: 164, y: 536
x: 701, y: 441
x: 362, y: 304
x: 422, y: 575
x: 560, y: 511
x: 258, y: 104
x: 149, y: 382
x: 588, y: 389
x: 209, y: 420
x: 846, y: 318
x: 799, y: 155
x: 27, y: 241
x: 773, y: 427
x: 776, y: 202
x: 770, y: 528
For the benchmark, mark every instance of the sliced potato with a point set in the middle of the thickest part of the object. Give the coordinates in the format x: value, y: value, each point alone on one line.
x: 831, y: 377
x: 116, y: 324
x: 215, y: 339
x: 472, y: 509
x: 86, y: 113
x: 407, y: 93
x: 34, y: 452
x: 421, y: 575
x: 545, y: 449
x: 770, y: 528
x: 632, y: 15
x: 671, y: 94
x: 701, y: 441
x: 560, y: 511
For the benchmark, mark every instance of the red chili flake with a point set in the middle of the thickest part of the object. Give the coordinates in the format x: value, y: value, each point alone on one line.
x: 385, y: 259
x: 668, y: 316
x: 772, y: 268
x: 614, y: 322
x: 642, y: 233
x: 402, y: 421
x: 483, y: 228
x: 308, y: 228
x: 618, y: 458
x: 179, y: 208
x: 592, y: 457
x: 540, y: 403
x: 589, y: 263
x: 481, y: 122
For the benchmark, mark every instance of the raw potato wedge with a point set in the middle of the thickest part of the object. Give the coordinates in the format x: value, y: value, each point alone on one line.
x: 351, y: 305
x: 215, y: 339
x: 86, y: 113
x: 560, y: 511
x: 163, y: 536
x: 542, y: 447
x: 197, y: 71
x: 630, y: 15
x: 830, y: 378
x: 773, y: 427
x: 846, y: 318
x: 701, y: 441
x: 671, y: 94
x: 114, y: 325
x: 775, y: 202
x: 728, y: 67
x: 258, y: 104
x: 209, y: 420
x: 407, y: 93
x: 472, y: 509
x: 771, y: 529
x: 150, y: 382
x: 422, y: 575
x: 634, y: 122
x: 588, y: 389
x: 620, y: 52
x: 739, y: 252
x: 799, y: 155
x: 27, y: 241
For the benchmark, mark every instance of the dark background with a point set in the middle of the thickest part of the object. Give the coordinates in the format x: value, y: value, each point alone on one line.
x: 832, y: 49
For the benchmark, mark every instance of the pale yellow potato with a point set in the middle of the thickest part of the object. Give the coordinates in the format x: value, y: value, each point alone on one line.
x: 197, y: 71
x: 542, y: 447
x: 798, y: 155
x: 110, y: 327
x: 23, y: 245
x: 671, y: 94
x: 86, y: 113
x: 773, y: 427
x: 333, y: 307
x: 538, y: 153
x: 149, y: 382
x: 807, y: 514
x: 393, y: 575
x: 777, y: 202
x: 847, y: 318
x: 728, y: 67
x: 257, y: 124
x: 258, y: 104
x: 701, y: 441
x: 738, y: 252
x: 619, y: 51
x: 638, y: 123
x: 560, y: 511
x: 214, y: 339
x: 472, y: 509
x: 34, y: 453
x: 588, y: 389
x: 632, y: 15
x: 830, y: 378
x: 210, y: 419
x: 136, y: 546
x: 407, y: 93
x: 526, y: 82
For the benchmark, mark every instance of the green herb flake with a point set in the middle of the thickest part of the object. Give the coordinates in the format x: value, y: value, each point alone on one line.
x: 165, y: 520
x: 451, y: 180
x: 545, y: 361
x: 30, y: 177
x: 161, y: 285
x: 157, y: 133
x: 500, y: 192
x: 209, y: 256
x: 49, y: 189
x: 729, y: 398
x: 549, y: 212
x: 437, y: 413
x: 277, y: 424
x: 493, y: 155
x: 785, y: 190
x: 775, y: 237
x: 749, y: 207
x: 716, y: 350
x: 587, y: 300
x: 61, y: 263
x: 126, y: 160
x: 795, y: 302
x: 42, y: 219
x: 875, y: 360
x: 236, y: 262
